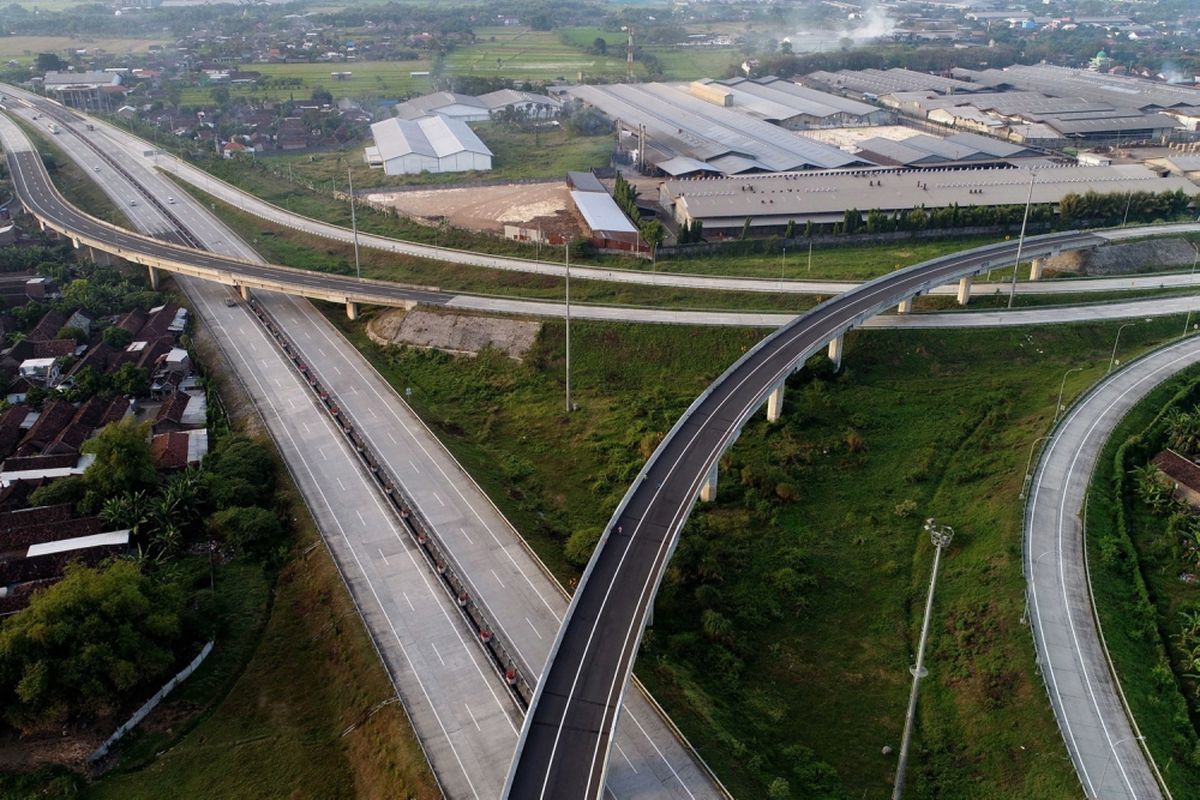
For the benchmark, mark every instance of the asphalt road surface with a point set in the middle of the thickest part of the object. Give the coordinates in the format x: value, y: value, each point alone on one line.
x: 1102, y: 741
x: 649, y: 760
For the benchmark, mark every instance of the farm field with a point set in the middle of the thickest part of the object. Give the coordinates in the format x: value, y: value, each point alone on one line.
x: 24, y: 49
x: 383, y: 79
x: 521, y: 54
x: 679, y: 63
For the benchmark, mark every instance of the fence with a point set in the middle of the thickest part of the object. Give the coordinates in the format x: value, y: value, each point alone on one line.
x: 150, y: 704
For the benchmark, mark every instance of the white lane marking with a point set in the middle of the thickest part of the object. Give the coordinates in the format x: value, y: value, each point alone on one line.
x: 341, y: 485
x: 497, y: 577
x: 392, y: 437
x: 305, y: 426
x: 441, y: 502
x: 277, y: 383
x: 535, y: 632
x: 468, y: 708
x: 415, y: 468
x: 372, y: 410
x: 466, y: 535
x: 360, y: 517
x: 335, y: 369
x: 621, y: 750
x: 385, y: 558
x: 291, y: 403
x: 437, y: 653
x: 410, y: 605
x: 321, y: 450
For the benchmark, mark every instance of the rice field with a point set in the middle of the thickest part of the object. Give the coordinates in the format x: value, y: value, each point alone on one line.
x: 25, y: 49
x: 381, y: 79
x: 521, y: 54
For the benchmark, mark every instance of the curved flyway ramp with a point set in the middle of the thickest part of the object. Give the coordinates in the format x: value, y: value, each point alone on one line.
x: 567, y: 733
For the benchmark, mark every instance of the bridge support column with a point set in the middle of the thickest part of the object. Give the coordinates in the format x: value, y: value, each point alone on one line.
x: 964, y: 290
x: 99, y: 257
x: 905, y: 306
x: 41, y: 225
x: 351, y: 309
x: 154, y: 276
x: 76, y: 243
x: 244, y: 291
x: 835, y: 353
x: 775, y: 403
x: 708, y: 489
x: 1035, y: 269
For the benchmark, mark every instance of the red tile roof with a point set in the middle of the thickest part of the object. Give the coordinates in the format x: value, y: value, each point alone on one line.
x: 1178, y: 469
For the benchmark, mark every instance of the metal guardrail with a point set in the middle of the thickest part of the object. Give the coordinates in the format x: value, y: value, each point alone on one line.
x: 450, y: 576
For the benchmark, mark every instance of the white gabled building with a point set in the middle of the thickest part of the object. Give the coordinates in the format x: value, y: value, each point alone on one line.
x: 428, y: 144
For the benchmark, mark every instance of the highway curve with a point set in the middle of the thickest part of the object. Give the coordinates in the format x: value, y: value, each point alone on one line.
x: 1102, y: 740
x: 567, y: 732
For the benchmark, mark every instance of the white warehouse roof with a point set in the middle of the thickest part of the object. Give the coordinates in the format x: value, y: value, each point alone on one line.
x: 601, y: 212
x: 433, y: 136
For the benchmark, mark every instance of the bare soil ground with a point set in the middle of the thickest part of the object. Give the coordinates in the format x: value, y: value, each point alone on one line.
x: 487, y: 208
x: 455, y: 333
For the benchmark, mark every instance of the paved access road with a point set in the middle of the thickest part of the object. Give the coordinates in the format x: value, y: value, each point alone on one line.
x: 245, y: 201
x: 1101, y: 739
x: 649, y: 760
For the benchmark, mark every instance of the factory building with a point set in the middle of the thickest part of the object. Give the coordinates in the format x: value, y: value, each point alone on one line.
x: 469, y: 108
x: 788, y: 104
x: 427, y: 144
x: 771, y: 201
x: 86, y: 90
x: 670, y: 129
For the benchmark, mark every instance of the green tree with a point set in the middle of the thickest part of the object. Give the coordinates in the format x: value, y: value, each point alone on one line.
x: 239, y: 472
x: 581, y: 544
x: 49, y: 62
x: 322, y: 95
x: 85, y: 644
x: 69, y: 490
x: 117, y: 338
x: 78, y: 334
x: 251, y: 531
x: 123, y: 460
x: 219, y: 95
x: 745, y: 229
x: 130, y: 379
x: 600, y: 46
x: 790, y: 231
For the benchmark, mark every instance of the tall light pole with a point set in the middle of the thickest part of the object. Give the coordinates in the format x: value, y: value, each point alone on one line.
x: 1012, y: 292
x: 353, y: 221
x: 1061, y: 386
x: 941, y: 536
x: 567, y: 251
x: 782, y: 263
x: 1188, y: 320
x: 1029, y: 463
x: 1112, y: 360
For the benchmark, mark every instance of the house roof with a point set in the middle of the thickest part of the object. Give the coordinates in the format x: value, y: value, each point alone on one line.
x: 80, y: 543
x: 1179, y: 469
x: 430, y: 103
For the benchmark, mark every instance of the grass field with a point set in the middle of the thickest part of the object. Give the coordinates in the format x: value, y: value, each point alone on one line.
x: 516, y: 157
x: 25, y: 49
x: 520, y: 54
x: 679, y: 63
x: 814, y: 670
x: 370, y: 79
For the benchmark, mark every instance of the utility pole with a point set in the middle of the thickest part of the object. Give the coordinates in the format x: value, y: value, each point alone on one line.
x: 1188, y: 320
x: 353, y: 220
x: 810, y: 256
x: 1012, y: 292
x: 567, y: 251
x: 940, y: 535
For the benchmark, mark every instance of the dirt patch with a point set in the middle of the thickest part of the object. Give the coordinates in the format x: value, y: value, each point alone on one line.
x: 453, y: 333
x: 1123, y: 259
x: 487, y: 208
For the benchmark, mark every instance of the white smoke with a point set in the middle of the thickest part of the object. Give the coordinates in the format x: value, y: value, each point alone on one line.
x: 1171, y: 73
x: 872, y: 24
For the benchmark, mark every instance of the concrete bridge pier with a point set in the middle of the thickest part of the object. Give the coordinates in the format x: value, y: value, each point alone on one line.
x: 75, y: 242
x: 708, y: 489
x: 835, y: 352
x: 351, y: 310
x: 1035, y: 269
x: 775, y: 403
x: 42, y: 225
x: 154, y: 276
x: 964, y: 290
x: 99, y: 257
x: 244, y: 291
x: 905, y: 306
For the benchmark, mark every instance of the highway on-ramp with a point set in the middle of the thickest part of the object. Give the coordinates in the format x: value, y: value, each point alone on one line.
x: 1103, y: 742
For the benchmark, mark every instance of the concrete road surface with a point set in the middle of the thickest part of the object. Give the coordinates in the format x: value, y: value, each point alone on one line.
x: 1101, y: 739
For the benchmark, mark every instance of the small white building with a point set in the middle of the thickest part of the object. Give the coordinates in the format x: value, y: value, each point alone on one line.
x: 428, y: 144
x: 465, y: 107
x: 42, y: 371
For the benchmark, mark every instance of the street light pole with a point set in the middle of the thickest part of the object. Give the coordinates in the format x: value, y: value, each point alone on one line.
x: 1012, y: 292
x: 1188, y: 320
x: 940, y: 535
x: 1061, y: 386
x: 567, y: 250
x: 353, y: 221
x: 1112, y: 360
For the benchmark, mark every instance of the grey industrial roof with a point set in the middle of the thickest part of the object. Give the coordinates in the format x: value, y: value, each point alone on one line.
x: 777, y: 99
x: 682, y: 165
x: 880, y: 82
x: 433, y: 136
x: 679, y: 124
x: 899, y: 152
x: 1119, y: 90
x: 430, y: 103
x: 986, y: 144
x: 601, y: 212
x: 507, y: 97
x: 808, y: 195
x: 65, y: 79
x: 584, y: 181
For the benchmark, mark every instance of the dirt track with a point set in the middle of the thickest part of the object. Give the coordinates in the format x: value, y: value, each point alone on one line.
x: 487, y: 208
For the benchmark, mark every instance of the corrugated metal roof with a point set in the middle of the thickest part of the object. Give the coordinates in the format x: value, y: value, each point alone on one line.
x: 433, y: 136
x: 78, y: 543
x: 601, y: 212
x: 682, y: 165
x: 584, y: 181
